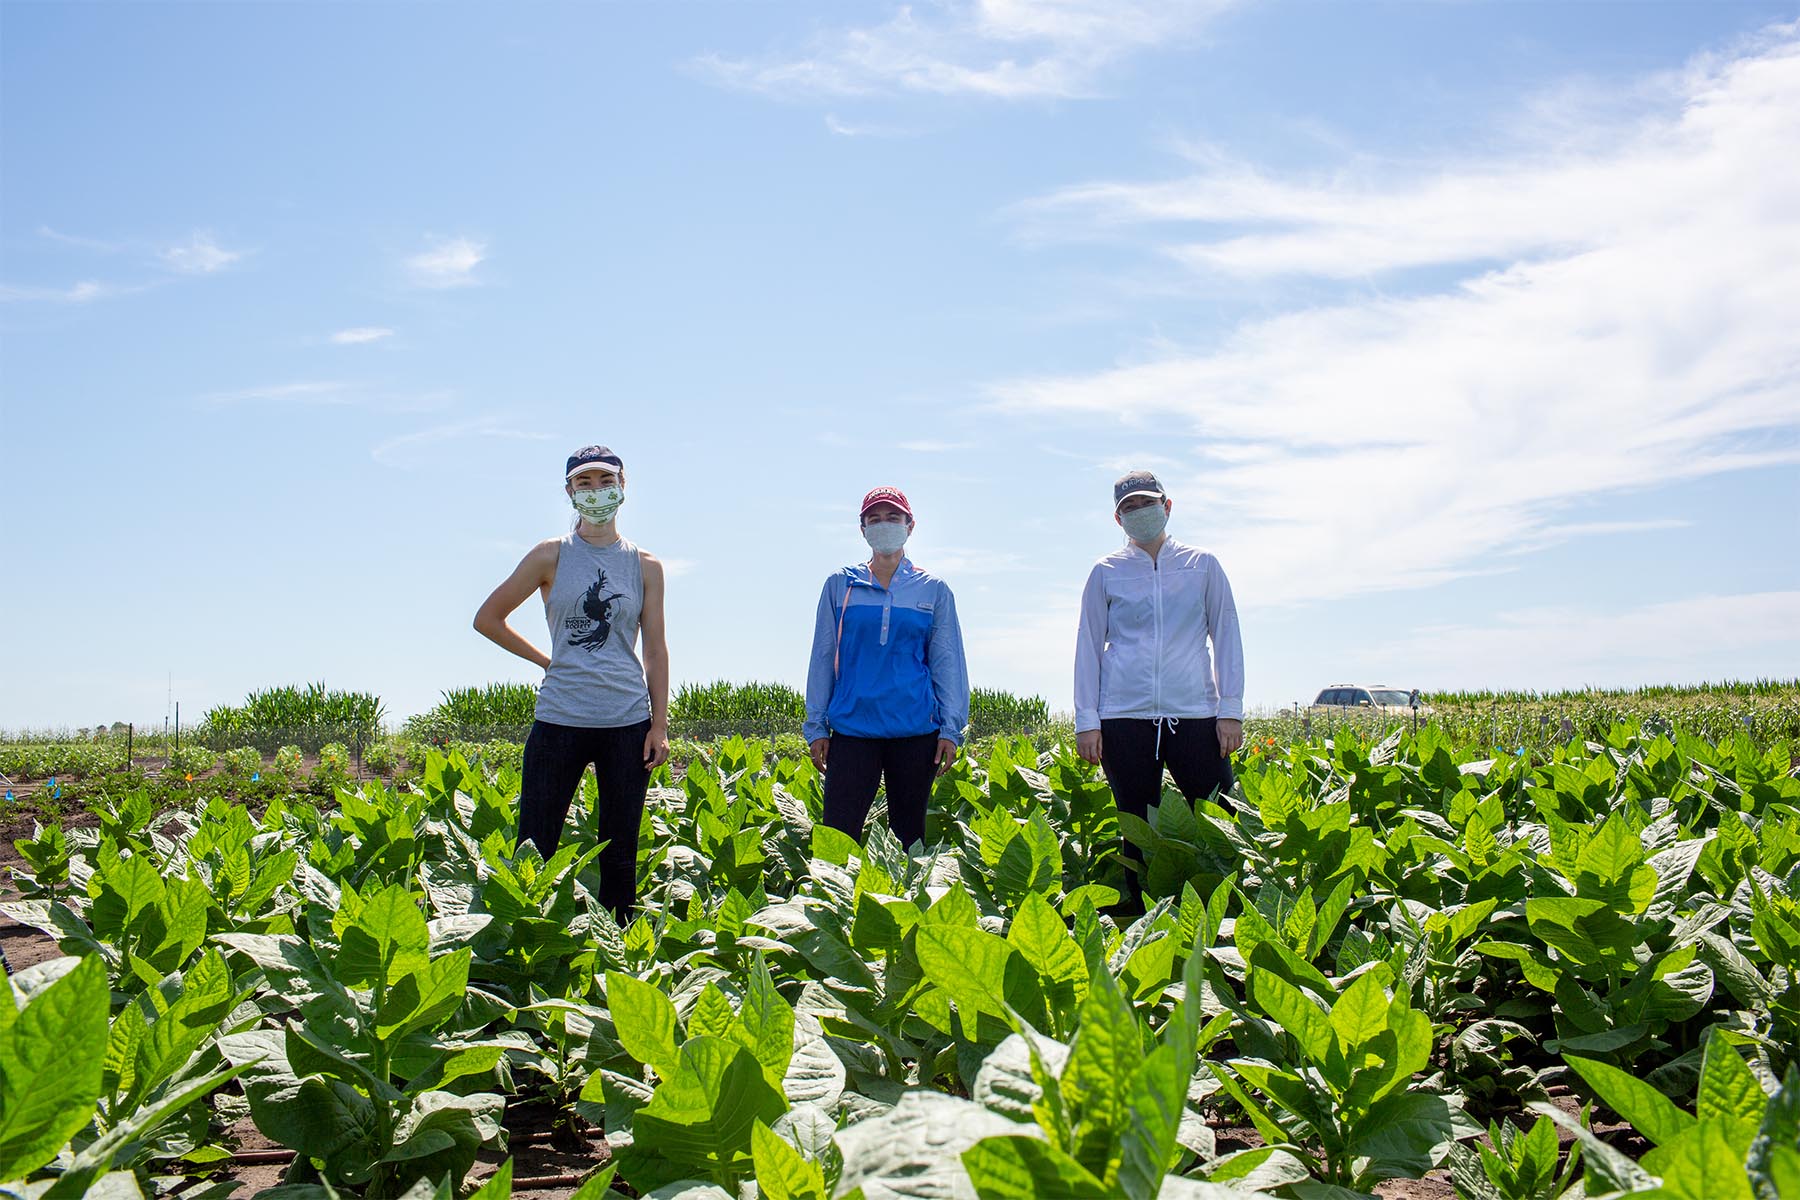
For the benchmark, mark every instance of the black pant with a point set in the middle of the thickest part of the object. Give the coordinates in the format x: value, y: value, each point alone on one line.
x: 555, y: 757
x: 854, y: 766
x: 1134, y: 763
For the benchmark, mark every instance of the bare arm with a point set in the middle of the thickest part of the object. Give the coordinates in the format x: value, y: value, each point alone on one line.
x: 534, y: 573
x: 652, y: 629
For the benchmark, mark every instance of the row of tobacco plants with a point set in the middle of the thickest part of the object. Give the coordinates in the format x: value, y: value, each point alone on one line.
x: 1373, y: 955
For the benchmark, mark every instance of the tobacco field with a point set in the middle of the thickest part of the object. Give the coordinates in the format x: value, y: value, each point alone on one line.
x: 1573, y: 970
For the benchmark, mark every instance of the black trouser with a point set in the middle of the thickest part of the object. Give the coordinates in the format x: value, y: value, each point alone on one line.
x: 855, y: 766
x: 1134, y: 761
x: 555, y: 757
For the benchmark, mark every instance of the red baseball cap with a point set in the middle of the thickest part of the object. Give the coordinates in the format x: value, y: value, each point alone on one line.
x: 885, y: 495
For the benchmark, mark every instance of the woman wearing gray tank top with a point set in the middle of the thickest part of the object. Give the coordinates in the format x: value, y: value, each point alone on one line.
x: 599, y: 704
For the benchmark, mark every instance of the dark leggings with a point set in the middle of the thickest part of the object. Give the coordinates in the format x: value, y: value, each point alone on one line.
x: 1134, y: 767
x: 555, y: 757
x: 854, y: 767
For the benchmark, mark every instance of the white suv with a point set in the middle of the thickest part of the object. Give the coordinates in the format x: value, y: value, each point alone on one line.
x: 1380, y: 697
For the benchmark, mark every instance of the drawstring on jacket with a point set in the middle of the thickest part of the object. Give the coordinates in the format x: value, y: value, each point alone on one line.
x: 1159, y: 722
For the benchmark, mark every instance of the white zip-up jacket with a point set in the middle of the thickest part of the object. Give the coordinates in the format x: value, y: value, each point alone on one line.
x: 1141, y: 651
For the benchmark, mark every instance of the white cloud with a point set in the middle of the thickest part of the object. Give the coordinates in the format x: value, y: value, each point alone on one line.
x: 307, y: 392
x: 1553, y: 647
x: 675, y: 567
x: 1636, y: 330
x: 362, y: 335
x: 395, y: 449
x: 199, y: 255
x: 854, y: 129
x: 1007, y: 49
x: 86, y: 291
x: 70, y: 239
x: 449, y: 263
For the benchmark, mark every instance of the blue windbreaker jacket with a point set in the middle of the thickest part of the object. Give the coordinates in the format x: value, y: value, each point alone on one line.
x: 887, y: 662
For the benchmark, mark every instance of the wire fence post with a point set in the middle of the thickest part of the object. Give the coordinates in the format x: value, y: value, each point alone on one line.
x: 128, y: 732
x: 178, y: 727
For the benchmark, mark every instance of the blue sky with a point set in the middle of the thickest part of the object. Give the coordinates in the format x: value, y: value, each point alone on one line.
x: 1463, y: 333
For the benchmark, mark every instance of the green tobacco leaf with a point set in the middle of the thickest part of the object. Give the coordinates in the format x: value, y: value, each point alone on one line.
x: 1106, y: 1052
x: 703, y: 1113
x: 782, y: 1172
x: 315, y: 1116
x: 1702, y: 1164
x: 1606, y: 1167
x: 1150, y: 966
x: 294, y: 970
x: 765, y: 1024
x: 389, y: 938
x: 644, y: 1018
x: 1031, y: 862
x: 712, y: 1016
x: 51, y: 1060
x: 1404, y: 1135
x: 1017, y: 1167
x: 915, y: 1149
x: 120, y: 1144
x: 1727, y: 1088
x: 969, y: 964
x: 424, y: 999
x: 441, y: 1134
x: 1653, y: 1114
x: 1777, y: 1138
x: 833, y: 845
x: 128, y: 889
x: 1361, y: 1013
x: 1039, y: 934
x: 1154, y: 1103
x: 1295, y: 1011
x: 203, y: 1003
x: 598, y: 1186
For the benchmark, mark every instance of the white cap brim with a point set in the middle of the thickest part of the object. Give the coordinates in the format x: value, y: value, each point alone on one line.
x: 1141, y: 492
x: 614, y: 468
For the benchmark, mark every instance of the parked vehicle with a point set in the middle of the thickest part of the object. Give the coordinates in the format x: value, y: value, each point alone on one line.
x: 1378, y: 696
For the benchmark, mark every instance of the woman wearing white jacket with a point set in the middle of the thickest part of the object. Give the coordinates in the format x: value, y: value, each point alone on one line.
x: 1148, y: 694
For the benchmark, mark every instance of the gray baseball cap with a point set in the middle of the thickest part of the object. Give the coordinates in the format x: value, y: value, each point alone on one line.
x: 1136, y: 483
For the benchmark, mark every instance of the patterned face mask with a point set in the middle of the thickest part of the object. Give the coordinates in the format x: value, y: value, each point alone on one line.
x: 1144, y: 525
x: 886, y: 537
x: 599, y: 505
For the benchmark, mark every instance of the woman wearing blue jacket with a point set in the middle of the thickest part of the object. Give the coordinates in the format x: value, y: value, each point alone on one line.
x: 887, y: 692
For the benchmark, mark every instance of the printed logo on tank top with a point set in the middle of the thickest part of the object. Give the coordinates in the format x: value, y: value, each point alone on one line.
x: 593, y: 624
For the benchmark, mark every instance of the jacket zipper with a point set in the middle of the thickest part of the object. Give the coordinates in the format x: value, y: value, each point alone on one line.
x: 1156, y: 650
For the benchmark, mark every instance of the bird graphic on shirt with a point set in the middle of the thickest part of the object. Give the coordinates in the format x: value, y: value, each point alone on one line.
x: 598, y: 610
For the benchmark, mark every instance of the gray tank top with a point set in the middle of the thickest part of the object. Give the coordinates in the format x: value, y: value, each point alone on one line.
x: 595, y: 680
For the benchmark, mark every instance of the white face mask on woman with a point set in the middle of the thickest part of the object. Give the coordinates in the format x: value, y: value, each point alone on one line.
x: 599, y: 504
x: 886, y: 537
x: 1144, y: 525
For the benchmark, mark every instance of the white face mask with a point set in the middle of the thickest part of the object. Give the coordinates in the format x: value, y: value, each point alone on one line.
x: 886, y: 537
x: 598, y: 505
x: 1144, y: 525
